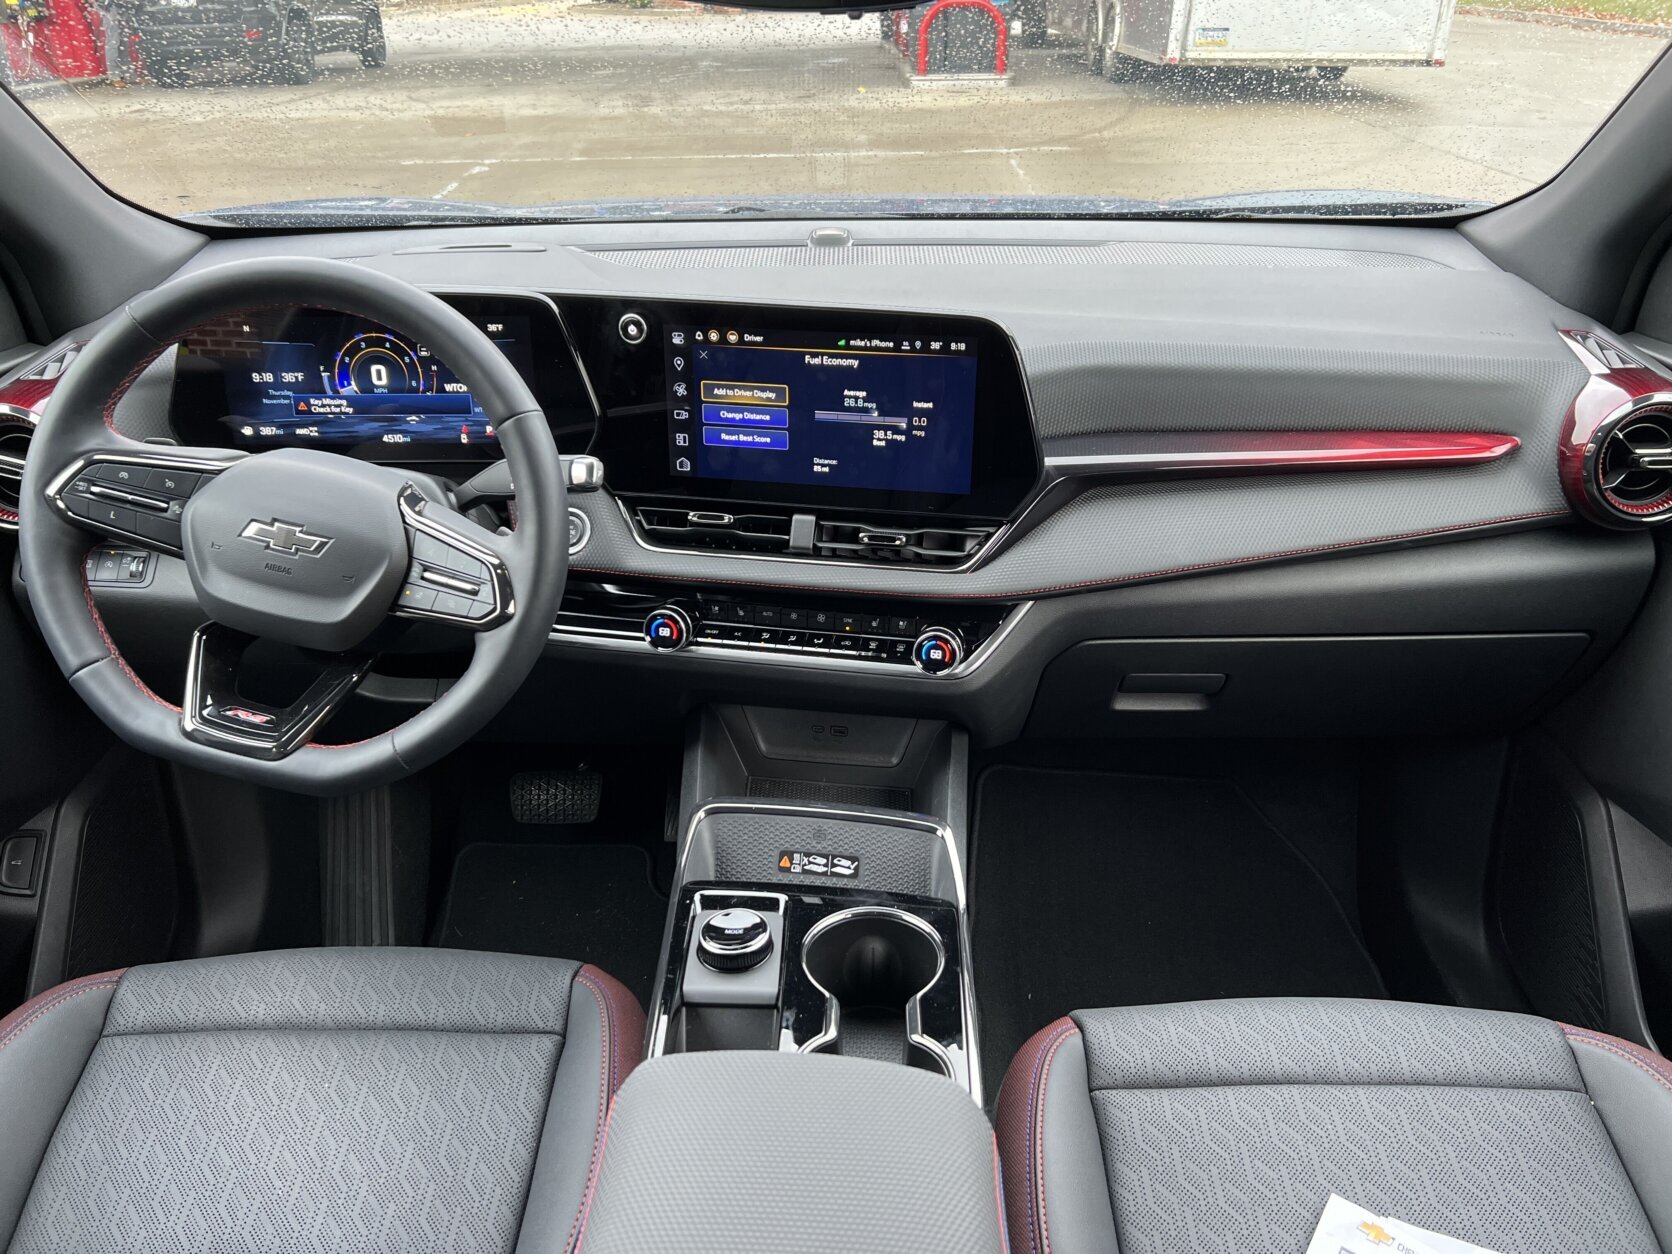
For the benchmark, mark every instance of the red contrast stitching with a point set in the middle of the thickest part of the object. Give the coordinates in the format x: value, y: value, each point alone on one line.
x: 132, y: 378
x: 98, y: 621
x: 579, y: 1234
x: 1635, y: 1055
x: 1036, y: 1130
x: 606, y: 1100
x: 31, y: 1011
x: 998, y: 1195
x: 1114, y: 582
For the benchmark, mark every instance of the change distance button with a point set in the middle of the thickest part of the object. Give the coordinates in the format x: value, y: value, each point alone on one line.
x: 937, y: 650
x: 668, y: 629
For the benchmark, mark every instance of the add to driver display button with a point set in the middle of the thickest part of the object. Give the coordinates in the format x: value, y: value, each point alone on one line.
x: 724, y: 437
x: 746, y: 416
x: 746, y: 393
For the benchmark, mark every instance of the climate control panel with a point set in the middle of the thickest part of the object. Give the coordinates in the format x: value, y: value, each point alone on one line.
x: 928, y: 638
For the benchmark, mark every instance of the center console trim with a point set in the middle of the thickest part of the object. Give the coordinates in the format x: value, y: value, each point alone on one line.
x: 656, y: 1037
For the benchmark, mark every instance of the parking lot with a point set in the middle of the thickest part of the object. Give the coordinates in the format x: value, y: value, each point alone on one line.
x: 550, y: 102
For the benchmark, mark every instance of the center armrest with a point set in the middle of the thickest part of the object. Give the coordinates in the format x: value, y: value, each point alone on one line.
x: 743, y: 1151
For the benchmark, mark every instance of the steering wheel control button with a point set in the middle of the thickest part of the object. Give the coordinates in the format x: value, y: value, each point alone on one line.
x: 632, y: 329
x: 134, y: 499
x: 451, y: 583
x: 734, y: 940
x: 180, y: 483
x: 937, y: 651
x: 415, y: 596
x: 669, y: 629
x: 122, y: 473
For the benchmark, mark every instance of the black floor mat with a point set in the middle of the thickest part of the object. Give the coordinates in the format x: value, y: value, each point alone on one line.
x: 1096, y: 889
x: 592, y: 903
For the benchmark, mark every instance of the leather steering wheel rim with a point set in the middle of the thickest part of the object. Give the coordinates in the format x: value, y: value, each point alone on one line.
x: 79, y: 424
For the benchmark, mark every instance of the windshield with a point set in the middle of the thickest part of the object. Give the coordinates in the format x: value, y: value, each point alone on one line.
x: 298, y: 112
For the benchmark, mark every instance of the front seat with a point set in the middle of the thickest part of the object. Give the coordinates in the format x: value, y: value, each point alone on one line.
x: 1228, y: 1124
x: 318, y: 1099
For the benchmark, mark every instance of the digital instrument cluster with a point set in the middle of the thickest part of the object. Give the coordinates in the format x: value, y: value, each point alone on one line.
x: 320, y: 377
x: 302, y: 376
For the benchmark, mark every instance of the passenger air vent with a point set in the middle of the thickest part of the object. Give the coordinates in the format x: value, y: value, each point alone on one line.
x: 1632, y: 472
x: 14, y: 447
x: 901, y: 546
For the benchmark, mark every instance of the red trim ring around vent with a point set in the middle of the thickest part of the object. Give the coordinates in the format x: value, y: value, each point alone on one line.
x: 1622, y: 388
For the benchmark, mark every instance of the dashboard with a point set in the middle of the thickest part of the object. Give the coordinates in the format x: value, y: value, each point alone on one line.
x: 1078, y: 459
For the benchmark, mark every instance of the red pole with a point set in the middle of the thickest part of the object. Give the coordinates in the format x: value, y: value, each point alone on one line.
x: 1000, y: 51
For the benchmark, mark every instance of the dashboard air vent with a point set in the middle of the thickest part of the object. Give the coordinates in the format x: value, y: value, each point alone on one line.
x: 697, y: 527
x: 1633, y: 466
x: 802, y: 534
x: 903, y: 546
x: 55, y: 365
x: 14, y: 447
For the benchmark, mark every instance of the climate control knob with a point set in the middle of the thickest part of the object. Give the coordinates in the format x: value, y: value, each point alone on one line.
x: 937, y: 650
x: 669, y: 628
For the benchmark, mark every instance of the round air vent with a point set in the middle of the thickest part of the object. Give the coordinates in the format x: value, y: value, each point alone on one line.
x: 14, y: 447
x: 1631, y: 469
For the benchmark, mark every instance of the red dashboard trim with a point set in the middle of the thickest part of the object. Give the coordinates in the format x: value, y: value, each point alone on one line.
x: 30, y: 395
x: 1254, y: 452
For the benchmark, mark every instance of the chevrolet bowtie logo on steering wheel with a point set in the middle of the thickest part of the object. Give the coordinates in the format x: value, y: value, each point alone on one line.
x: 283, y: 537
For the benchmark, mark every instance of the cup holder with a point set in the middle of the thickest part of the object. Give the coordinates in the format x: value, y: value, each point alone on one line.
x: 872, y: 964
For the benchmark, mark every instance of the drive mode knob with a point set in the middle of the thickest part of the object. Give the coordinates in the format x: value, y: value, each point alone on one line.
x: 937, y: 650
x: 734, y: 940
x: 669, y: 628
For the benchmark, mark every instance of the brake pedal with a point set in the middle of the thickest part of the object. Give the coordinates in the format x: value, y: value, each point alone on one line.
x: 556, y: 796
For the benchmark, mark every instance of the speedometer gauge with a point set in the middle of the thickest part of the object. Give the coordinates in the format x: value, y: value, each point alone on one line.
x: 378, y: 364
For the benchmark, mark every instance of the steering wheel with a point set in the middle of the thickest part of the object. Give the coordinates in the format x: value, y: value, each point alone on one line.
x: 299, y: 546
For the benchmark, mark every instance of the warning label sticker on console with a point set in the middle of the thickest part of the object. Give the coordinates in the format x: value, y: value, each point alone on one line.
x: 804, y: 862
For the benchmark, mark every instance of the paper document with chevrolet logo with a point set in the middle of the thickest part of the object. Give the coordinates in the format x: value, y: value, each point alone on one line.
x: 1349, y: 1229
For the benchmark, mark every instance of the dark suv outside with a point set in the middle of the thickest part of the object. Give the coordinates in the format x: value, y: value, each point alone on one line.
x: 276, y: 39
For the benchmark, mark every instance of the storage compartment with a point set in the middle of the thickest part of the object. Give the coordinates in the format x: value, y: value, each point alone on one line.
x: 1302, y: 686
x: 873, y: 964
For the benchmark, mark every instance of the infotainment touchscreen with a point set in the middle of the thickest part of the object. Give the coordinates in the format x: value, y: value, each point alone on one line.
x: 821, y: 409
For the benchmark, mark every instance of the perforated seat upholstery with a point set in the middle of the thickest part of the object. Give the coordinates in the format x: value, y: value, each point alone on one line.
x: 1208, y: 1125
x: 326, y: 1099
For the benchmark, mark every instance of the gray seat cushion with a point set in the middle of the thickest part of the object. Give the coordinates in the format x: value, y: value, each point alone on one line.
x: 1164, y: 1128
x: 326, y: 1099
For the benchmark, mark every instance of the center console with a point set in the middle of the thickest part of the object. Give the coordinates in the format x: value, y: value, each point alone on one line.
x: 806, y: 917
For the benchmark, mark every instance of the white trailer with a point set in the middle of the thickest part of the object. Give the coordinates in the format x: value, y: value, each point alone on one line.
x: 1119, y: 36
